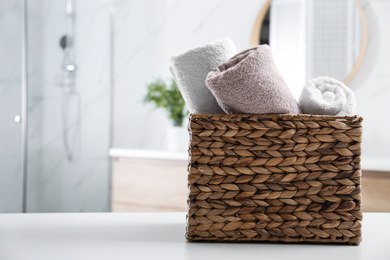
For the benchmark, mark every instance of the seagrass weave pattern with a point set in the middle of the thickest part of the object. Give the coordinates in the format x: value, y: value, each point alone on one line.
x: 290, y: 178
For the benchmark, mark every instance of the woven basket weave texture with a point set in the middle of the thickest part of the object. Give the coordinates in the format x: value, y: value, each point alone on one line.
x: 288, y: 178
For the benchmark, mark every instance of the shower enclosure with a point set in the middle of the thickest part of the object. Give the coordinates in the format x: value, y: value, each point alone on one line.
x: 55, y: 105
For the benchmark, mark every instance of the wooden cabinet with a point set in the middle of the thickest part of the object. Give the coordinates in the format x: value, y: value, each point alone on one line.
x: 376, y: 191
x: 149, y: 185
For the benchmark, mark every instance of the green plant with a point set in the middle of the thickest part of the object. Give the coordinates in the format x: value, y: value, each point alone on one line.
x: 169, y: 99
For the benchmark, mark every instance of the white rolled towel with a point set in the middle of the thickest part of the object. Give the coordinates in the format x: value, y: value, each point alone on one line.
x: 190, y: 70
x: 327, y: 96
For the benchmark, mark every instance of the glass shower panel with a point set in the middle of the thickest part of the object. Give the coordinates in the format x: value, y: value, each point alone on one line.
x: 69, y: 106
x: 11, y: 154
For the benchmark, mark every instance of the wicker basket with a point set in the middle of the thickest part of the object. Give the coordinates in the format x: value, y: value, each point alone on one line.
x: 290, y: 178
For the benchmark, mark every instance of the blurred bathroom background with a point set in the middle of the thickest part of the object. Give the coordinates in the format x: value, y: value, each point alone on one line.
x: 75, y: 134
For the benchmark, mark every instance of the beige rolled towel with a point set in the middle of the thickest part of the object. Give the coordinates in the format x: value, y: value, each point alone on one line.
x: 250, y: 83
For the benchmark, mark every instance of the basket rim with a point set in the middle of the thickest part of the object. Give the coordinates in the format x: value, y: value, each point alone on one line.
x: 276, y: 117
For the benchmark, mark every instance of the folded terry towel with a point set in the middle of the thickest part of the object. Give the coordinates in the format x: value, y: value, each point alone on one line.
x: 327, y: 96
x: 190, y: 70
x: 250, y: 83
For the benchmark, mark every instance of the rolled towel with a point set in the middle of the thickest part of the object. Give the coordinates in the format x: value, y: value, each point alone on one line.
x: 190, y: 70
x: 250, y: 83
x: 327, y: 96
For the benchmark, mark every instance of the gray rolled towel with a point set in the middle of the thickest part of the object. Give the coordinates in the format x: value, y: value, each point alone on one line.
x: 190, y: 69
x: 250, y: 83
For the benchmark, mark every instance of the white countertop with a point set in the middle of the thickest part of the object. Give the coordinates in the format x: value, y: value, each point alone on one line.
x: 160, y: 236
x: 148, y: 154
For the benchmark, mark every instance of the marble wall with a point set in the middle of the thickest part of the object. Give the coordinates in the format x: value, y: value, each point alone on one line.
x: 148, y: 33
x: 11, y: 157
x: 371, y: 87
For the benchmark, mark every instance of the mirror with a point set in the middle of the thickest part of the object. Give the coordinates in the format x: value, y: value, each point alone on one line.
x: 312, y: 38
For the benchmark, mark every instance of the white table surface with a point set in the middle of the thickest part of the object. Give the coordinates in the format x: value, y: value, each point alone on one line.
x: 160, y: 236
